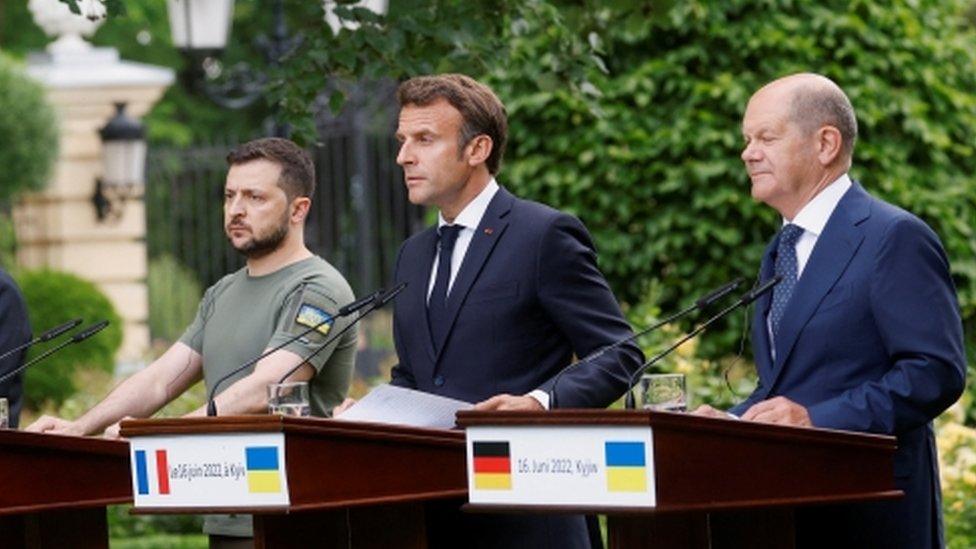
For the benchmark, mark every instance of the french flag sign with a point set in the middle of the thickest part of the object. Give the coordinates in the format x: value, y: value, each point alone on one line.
x: 151, y: 472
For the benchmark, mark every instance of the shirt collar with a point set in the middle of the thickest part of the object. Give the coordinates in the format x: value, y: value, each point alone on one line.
x: 813, y: 217
x: 470, y: 216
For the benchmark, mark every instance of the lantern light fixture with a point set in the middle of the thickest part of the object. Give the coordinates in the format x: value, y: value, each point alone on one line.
x: 123, y: 164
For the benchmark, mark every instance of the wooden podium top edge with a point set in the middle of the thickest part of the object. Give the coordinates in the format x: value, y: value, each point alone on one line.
x: 89, y: 445
x: 686, y: 508
x: 285, y: 424
x: 671, y: 420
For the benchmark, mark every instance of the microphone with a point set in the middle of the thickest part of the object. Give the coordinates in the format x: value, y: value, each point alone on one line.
x: 718, y: 293
x: 44, y: 337
x: 703, y: 302
x: 392, y: 293
x: 89, y: 331
x: 345, y: 310
x: 384, y: 298
x: 77, y: 338
x: 350, y: 308
x: 744, y: 300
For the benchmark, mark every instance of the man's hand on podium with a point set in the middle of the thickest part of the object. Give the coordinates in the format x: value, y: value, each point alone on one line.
x: 56, y: 426
x: 346, y: 404
x: 707, y: 411
x: 112, y: 431
x: 508, y: 402
x: 780, y: 410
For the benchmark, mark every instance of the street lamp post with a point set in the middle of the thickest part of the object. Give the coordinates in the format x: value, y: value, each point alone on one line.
x: 200, y: 28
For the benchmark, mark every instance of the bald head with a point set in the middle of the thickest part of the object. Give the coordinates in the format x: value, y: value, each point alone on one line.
x: 799, y: 133
x: 816, y: 101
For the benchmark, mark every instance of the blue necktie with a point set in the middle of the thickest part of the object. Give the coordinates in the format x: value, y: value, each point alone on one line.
x: 437, y: 304
x: 786, y: 266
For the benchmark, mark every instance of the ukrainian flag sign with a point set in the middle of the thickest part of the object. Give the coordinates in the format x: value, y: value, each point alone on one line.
x: 263, y: 471
x: 626, y: 468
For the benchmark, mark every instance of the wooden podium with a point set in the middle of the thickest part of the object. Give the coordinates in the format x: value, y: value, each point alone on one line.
x: 721, y: 483
x: 54, y: 489
x: 350, y: 484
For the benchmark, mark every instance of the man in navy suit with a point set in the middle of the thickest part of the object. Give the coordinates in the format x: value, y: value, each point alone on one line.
x: 14, y: 330
x: 864, y: 332
x: 501, y: 294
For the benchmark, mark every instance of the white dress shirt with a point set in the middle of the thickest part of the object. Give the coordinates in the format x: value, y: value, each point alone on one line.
x: 468, y: 219
x: 812, y: 218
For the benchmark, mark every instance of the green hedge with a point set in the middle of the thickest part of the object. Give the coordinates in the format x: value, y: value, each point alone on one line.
x: 174, y: 295
x: 53, y: 298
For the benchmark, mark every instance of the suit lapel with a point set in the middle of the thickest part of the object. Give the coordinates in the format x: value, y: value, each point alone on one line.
x: 486, y: 235
x: 418, y: 281
x: 834, y: 250
x: 760, y: 333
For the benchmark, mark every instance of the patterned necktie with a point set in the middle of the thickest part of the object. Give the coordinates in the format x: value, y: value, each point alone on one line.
x: 786, y: 266
x: 437, y: 304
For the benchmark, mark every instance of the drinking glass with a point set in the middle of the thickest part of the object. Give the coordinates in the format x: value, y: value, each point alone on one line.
x: 289, y: 399
x: 664, y: 392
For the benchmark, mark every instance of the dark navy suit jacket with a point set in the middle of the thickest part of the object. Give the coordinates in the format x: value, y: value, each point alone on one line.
x: 527, y: 297
x: 871, y: 341
x: 14, y: 330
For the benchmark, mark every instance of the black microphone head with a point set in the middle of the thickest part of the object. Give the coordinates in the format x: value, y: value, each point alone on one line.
x: 89, y: 331
x: 392, y: 293
x: 718, y: 293
x: 350, y: 308
x: 58, y: 330
x: 755, y: 294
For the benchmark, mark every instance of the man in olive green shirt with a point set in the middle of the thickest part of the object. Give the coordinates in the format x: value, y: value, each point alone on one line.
x: 283, y: 290
x: 269, y: 310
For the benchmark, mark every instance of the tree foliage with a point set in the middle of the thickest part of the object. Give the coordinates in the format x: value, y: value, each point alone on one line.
x: 29, y: 141
x: 420, y: 37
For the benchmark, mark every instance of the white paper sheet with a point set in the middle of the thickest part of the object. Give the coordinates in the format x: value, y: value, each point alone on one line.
x: 401, y: 406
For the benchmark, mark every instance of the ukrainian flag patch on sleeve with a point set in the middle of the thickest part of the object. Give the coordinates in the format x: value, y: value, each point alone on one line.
x: 311, y: 316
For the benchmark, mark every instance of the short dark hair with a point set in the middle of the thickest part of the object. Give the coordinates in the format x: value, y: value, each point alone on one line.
x: 297, y: 170
x: 815, y: 106
x: 481, y: 110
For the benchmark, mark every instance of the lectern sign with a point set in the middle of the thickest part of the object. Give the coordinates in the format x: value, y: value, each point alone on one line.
x: 561, y: 465
x: 209, y: 470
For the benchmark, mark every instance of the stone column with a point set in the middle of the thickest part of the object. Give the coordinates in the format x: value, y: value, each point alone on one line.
x: 57, y: 227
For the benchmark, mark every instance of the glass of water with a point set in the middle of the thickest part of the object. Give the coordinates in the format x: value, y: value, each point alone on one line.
x: 289, y: 399
x: 4, y: 414
x: 664, y: 392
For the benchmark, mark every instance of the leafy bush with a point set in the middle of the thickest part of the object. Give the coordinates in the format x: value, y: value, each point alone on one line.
x: 123, y: 525
x: 957, y: 456
x: 174, y: 294
x: 162, y: 541
x: 29, y: 130
x: 55, y: 297
x: 651, y: 162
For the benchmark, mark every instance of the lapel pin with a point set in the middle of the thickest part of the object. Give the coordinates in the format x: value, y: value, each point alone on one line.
x: 489, y: 230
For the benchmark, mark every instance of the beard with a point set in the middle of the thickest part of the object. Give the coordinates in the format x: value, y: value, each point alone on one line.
x: 262, y: 245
